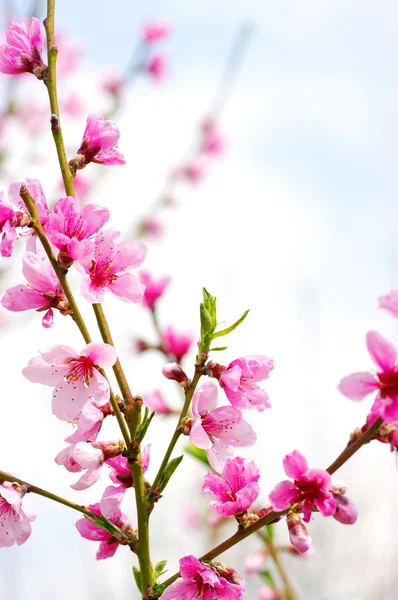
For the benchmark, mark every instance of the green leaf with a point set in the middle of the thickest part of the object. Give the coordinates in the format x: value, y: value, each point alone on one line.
x: 100, y: 521
x: 266, y: 575
x: 218, y: 349
x: 206, y: 323
x: 168, y: 472
x: 197, y: 453
x: 143, y: 428
x: 231, y: 328
x: 137, y: 577
x: 159, y: 568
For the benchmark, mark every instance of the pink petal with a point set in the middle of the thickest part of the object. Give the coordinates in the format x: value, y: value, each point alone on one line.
x: 128, y: 288
x: 111, y: 499
x: 231, y: 378
x: 92, y: 292
x: 389, y: 302
x: 383, y: 353
x: 358, y: 385
x: 88, y: 479
x: 295, y: 464
x: 204, y: 398
x: 283, y: 495
x: 106, y: 550
x: 198, y: 435
x: 246, y: 496
x: 103, y: 355
x: 48, y: 319
x: 218, y: 456
x: 20, y: 298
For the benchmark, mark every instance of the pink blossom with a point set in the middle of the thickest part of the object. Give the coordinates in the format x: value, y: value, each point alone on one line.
x: 121, y: 475
x: 194, y: 171
x: 310, y: 488
x: 154, y: 288
x: 255, y: 563
x: 89, y: 457
x: 42, y: 292
x: 212, y: 143
x: 89, y: 422
x: 156, y: 402
x: 33, y: 115
x: 298, y: 534
x: 72, y: 104
x: 108, y: 545
x: 36, y: 191
x: 157, y: 67
x: 8, y: 222
x: 239, y: 381
x: 204, y: 581
x: 389, y: 302
x: 107, y: 269
x: 385, y: 380
x: 175, y: 343
x: 266, y: 592
x: 98, y: 145
x: 113, y: 83
x: 14, y: 214
x: 82, y: 188
x: 22, y: 51
x: 74, y: 375
x: 69, y: 54
x: 72, y: 230
x: 236, y: 489
x: 152, y: 226
x: 216, y: 430
x: 14, y: 520
x: 153, y: 32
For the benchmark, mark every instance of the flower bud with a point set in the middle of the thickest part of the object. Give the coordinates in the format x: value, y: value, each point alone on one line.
x: 174, y: 371
x: 298, y: 534
x: 346, y: 512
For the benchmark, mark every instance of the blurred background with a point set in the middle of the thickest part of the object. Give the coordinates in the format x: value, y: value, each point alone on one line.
x: 297, y: 220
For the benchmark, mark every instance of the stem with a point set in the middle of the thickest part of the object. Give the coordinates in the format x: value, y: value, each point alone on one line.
x: 61, y: 274
x: 144, y: 556
x: 36, y: 490
x: 272, y: 516
x: 354, y: 446
x: 118, y: 370
x: 51, y: 84
x: 288, y: 592
x: 188, y: 397
x: 135, y: 466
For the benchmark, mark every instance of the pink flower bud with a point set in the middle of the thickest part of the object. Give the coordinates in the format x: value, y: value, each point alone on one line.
x: 174, y: 371
x: 298, y: 534
x: 346, y: 511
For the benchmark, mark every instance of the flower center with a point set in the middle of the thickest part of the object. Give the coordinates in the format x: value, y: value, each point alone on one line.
x: 388, y: 383
x: 81, y: 368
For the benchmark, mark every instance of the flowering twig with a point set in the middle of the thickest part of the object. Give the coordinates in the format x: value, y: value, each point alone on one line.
x: 28, y: 487
x: 61, y: 273
x: 272, y: 516
x: 51, y: 83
